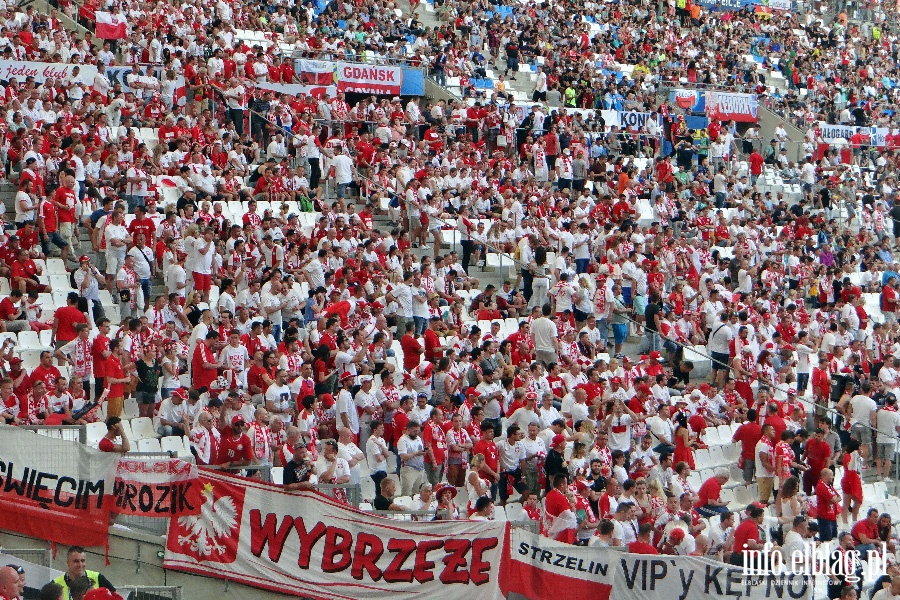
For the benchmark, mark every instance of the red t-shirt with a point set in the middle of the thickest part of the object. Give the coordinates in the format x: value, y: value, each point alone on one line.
x: 748, y: 435
x: 411, y: 356
x: 710, y: 490
x: 232, y: 449
x: 48, y: 213
x: 865, y: 528
x: 825, y: 509
x: 746, y: 531
x: 756, y: 163
x: 145, y: 226
x: 99, y: 346
x: 203, y: 376
x: 642, y: 548
x: 432, y: 341
x: 114, y: 369
x: 488, y: 449
x: 68, y: 317
x: 7, y: 309
x: 107, y: 445
x: 65, y: 196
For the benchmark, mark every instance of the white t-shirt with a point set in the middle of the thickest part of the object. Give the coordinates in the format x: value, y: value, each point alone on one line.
x: 346, y: 405
x: 279, y: 396
x: 374, y: 447
x: 763, y: 448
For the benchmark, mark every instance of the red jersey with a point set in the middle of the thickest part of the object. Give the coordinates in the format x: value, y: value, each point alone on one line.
x: 233, y: 448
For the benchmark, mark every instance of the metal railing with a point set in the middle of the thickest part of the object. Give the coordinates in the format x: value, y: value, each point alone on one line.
x: 72, y: 433
x: 148, y: 592
x: 38, y: 556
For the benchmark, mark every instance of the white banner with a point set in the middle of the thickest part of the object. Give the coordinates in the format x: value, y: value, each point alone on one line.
x: 22, y: 69
x: 306, y: 544
x: 874, y: 136
x: 537, y: 568
x: 293, y: 89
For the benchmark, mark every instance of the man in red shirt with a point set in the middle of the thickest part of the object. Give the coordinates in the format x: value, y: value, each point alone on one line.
x: 235, y: 449
x: 709, y: 501
x: 12, y: 313
x: 434, y: 350
x: 756, y: 166
x: 644, y: 542
x: 23, y: 274
x: 65, y: 200
x: 412, y: 349
x: 205, y: 367
x: 748, y: 434
x: 48, y: 225
x: 114, y: 430
x: 64, y: 320
x: 865, y: 533
x: 746, y: 536
x: 143, y: 224
x: 555, y: 504
x: 818, y: 455
x: 828, y: 505
x: 45, y: 371
x: 490, y: 468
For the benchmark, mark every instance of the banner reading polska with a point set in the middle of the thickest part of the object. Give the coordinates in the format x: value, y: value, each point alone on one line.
x: 369, y: 79
x: 307, y: 544
x: 160, y: 488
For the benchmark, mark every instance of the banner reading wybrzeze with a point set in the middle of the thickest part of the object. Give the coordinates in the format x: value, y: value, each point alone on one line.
x: 306, y: 544
x: 369, y: 79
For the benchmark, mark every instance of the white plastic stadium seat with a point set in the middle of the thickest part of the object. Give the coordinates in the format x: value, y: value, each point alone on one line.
x: 143, y: 429
x: 151, y: 445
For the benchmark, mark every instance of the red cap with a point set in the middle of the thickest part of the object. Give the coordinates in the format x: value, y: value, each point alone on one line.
x: 676, y: 536
x: 581, y: 484
x: 327, y: 400
x: 346, y: 375
x: 557, y: 440
x: 237, y: 419
x: 84, y: 258
x: 655, y: 354
x: 181, y: 393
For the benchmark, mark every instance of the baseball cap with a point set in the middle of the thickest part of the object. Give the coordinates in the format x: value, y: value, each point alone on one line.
x: 84, y: 258
x: 237, y: 420
x: 558, y: 439
x: 676, y: 536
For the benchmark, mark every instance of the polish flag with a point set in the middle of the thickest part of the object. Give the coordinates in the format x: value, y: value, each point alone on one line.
x: 111, y: 26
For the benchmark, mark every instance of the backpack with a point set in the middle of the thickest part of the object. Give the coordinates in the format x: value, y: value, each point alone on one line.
x: 306, y: 204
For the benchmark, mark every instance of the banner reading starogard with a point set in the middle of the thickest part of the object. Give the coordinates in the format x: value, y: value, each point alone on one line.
x: 306, y: 544
x: 731, y: 106
x: 538, y: 568
x: 53, y: 489
x: 41, y: 71
x: 369, y: 79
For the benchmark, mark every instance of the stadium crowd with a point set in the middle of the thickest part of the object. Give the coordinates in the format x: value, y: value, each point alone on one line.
x: 347, y: 346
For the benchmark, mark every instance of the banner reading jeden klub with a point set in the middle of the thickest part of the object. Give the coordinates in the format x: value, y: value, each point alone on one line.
x: 306, y: 544
x: 22, y: 69
x: 369, y: 79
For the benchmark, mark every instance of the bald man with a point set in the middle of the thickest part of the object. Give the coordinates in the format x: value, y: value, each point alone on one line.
x: 9, y: 583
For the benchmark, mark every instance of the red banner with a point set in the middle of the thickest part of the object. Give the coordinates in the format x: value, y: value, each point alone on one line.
x: 369, y: 79
x: 155, y: 488
x: 307, y: 544
x: 537, y: 567
x: 729, y: 106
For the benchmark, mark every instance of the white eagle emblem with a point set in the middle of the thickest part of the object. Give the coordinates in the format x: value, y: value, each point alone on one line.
x: 217, y: 519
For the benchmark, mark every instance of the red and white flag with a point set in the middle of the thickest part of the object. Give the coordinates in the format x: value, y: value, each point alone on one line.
x: 111, y: 26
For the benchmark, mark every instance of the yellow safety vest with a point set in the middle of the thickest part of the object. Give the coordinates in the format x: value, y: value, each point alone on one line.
x: 94, y: 576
